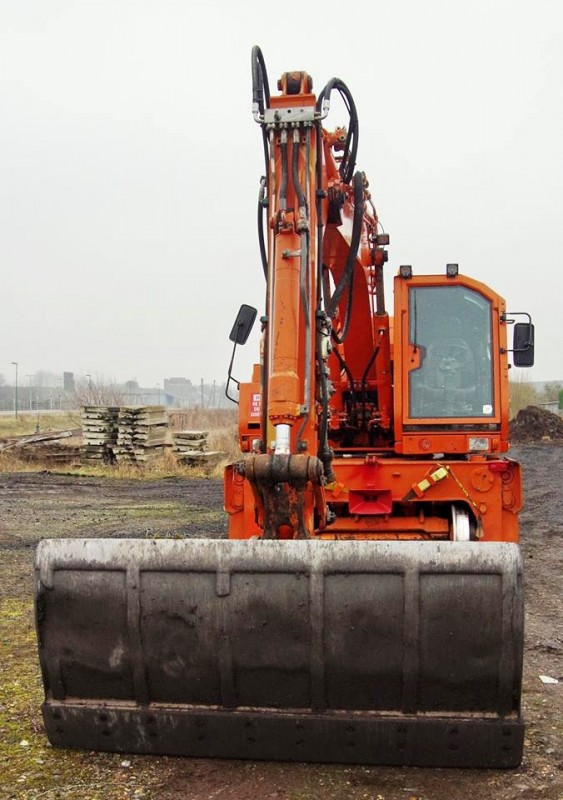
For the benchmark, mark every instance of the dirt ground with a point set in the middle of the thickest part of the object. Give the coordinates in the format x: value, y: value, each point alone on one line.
x: 39, y: 505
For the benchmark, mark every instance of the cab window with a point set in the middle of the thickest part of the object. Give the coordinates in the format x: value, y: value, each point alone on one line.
x: 450, y: 328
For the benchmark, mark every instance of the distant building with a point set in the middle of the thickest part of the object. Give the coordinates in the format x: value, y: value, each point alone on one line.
x: 178, y: 391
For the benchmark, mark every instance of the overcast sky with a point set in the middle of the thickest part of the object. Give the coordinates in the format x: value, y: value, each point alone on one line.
x: 129, y: 165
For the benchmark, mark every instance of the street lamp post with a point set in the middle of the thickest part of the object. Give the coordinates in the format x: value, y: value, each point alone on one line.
x: 15, y: 363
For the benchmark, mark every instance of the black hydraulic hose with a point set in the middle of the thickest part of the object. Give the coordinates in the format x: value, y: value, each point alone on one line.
x: 346, y: 277
x: 318, y: 200
x: 260, y: 85
x: 301, y: 200
x: 365, y: 378
x: 302, y: 203
x: 325, y: 452
x: 260, y: 101
x: 303, y: 281
x: 344, y: 366
x: 323, y: 432
x: 369, y: 366
x: 305, y: 300
x: 339, y: 338
x: 283, y: 181
x: 348, y: 162
x: 261, y: 240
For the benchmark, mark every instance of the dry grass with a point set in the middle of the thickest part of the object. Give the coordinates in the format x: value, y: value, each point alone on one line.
x: 26, y: 424
x: 12, y: 461
x: 202, y: 419
x: 522, y: 393
x: 220, y: 423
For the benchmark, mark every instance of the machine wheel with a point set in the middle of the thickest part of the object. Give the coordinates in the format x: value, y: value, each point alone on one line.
x: 463, y: 525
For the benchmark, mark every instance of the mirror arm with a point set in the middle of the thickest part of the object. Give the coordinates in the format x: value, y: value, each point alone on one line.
x: 230, y: 377
x: 505, y: 318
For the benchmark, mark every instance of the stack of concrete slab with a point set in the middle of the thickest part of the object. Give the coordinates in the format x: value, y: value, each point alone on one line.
x: 141, y: 433
x: 99, y: 433
x: 191, y: 448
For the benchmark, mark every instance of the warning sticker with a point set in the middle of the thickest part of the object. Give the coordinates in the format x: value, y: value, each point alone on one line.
x: 256, y: 405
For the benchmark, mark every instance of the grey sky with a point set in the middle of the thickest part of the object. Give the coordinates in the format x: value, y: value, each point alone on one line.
x: 129, y: 165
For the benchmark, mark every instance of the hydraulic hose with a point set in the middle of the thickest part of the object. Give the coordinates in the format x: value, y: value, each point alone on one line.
x: 260, y: 85
x: 319, y: 194
x: 262, y: 203
x: 301, y: 200
x: 348, y: 162
x: 346, y: 277
x: 344, y: 366
x: 325, y: 452
x: 339, y: 338
x: 283, y: 181
x: 304, y: 287
x: 260, y: 101
x: 304, y: 272
x: 365, y: 378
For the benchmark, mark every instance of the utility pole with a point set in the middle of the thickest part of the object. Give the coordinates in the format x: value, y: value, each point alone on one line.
x: 30, y: 403
x: 15, y: 363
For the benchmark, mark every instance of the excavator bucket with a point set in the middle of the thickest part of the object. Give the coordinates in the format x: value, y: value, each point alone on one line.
x: 347, y: 652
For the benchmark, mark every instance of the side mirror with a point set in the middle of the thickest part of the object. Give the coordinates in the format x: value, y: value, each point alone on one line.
x: 243, y: 324
x: 239, y: 335
x: 523, y: 344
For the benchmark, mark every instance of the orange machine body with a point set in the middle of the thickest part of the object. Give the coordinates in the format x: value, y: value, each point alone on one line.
x: 384, y: 434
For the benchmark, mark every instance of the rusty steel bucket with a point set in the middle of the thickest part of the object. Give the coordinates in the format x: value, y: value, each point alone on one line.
x: 348, y: 652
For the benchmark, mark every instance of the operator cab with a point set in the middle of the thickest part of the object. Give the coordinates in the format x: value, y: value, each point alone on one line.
x: 451, y: 365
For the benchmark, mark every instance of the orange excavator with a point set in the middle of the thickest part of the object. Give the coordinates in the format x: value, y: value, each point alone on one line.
x: 367, y: 606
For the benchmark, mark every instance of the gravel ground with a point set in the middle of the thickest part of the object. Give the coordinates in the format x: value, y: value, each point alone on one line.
x: 36, y: 505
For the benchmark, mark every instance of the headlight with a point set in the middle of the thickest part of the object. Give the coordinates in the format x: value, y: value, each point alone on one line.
x: 478, y: 444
